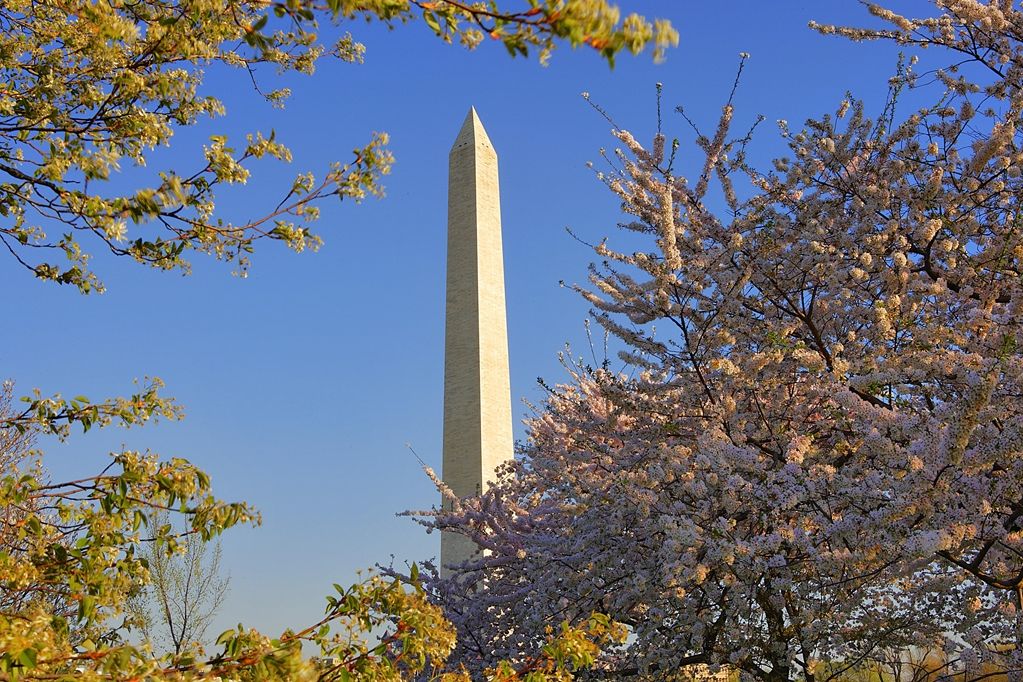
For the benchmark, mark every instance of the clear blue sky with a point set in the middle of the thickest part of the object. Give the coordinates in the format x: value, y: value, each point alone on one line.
x: 303, y: 383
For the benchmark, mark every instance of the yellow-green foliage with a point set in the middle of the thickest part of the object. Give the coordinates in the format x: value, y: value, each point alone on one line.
x: 93, y: 86
x: 70, y: 559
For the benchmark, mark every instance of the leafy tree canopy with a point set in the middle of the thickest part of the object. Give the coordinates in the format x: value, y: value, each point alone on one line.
x: 89, y: 87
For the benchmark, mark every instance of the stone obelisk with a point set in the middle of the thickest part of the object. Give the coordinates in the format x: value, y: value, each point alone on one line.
x: 477, y: 391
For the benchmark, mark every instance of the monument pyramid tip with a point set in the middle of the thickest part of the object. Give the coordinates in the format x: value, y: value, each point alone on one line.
x: 472, y: 132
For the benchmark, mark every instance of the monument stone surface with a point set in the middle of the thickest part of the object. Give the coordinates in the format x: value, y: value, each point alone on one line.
x: 477, y: 390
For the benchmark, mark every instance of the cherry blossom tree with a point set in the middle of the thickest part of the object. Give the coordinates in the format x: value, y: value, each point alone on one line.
x: 816, y: 458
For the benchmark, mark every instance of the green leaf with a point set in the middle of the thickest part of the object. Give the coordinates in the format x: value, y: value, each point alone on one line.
x: 431, y: 20
x: 27, y: 658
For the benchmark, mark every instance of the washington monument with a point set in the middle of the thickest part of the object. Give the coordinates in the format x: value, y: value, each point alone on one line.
x: 477, y: 391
